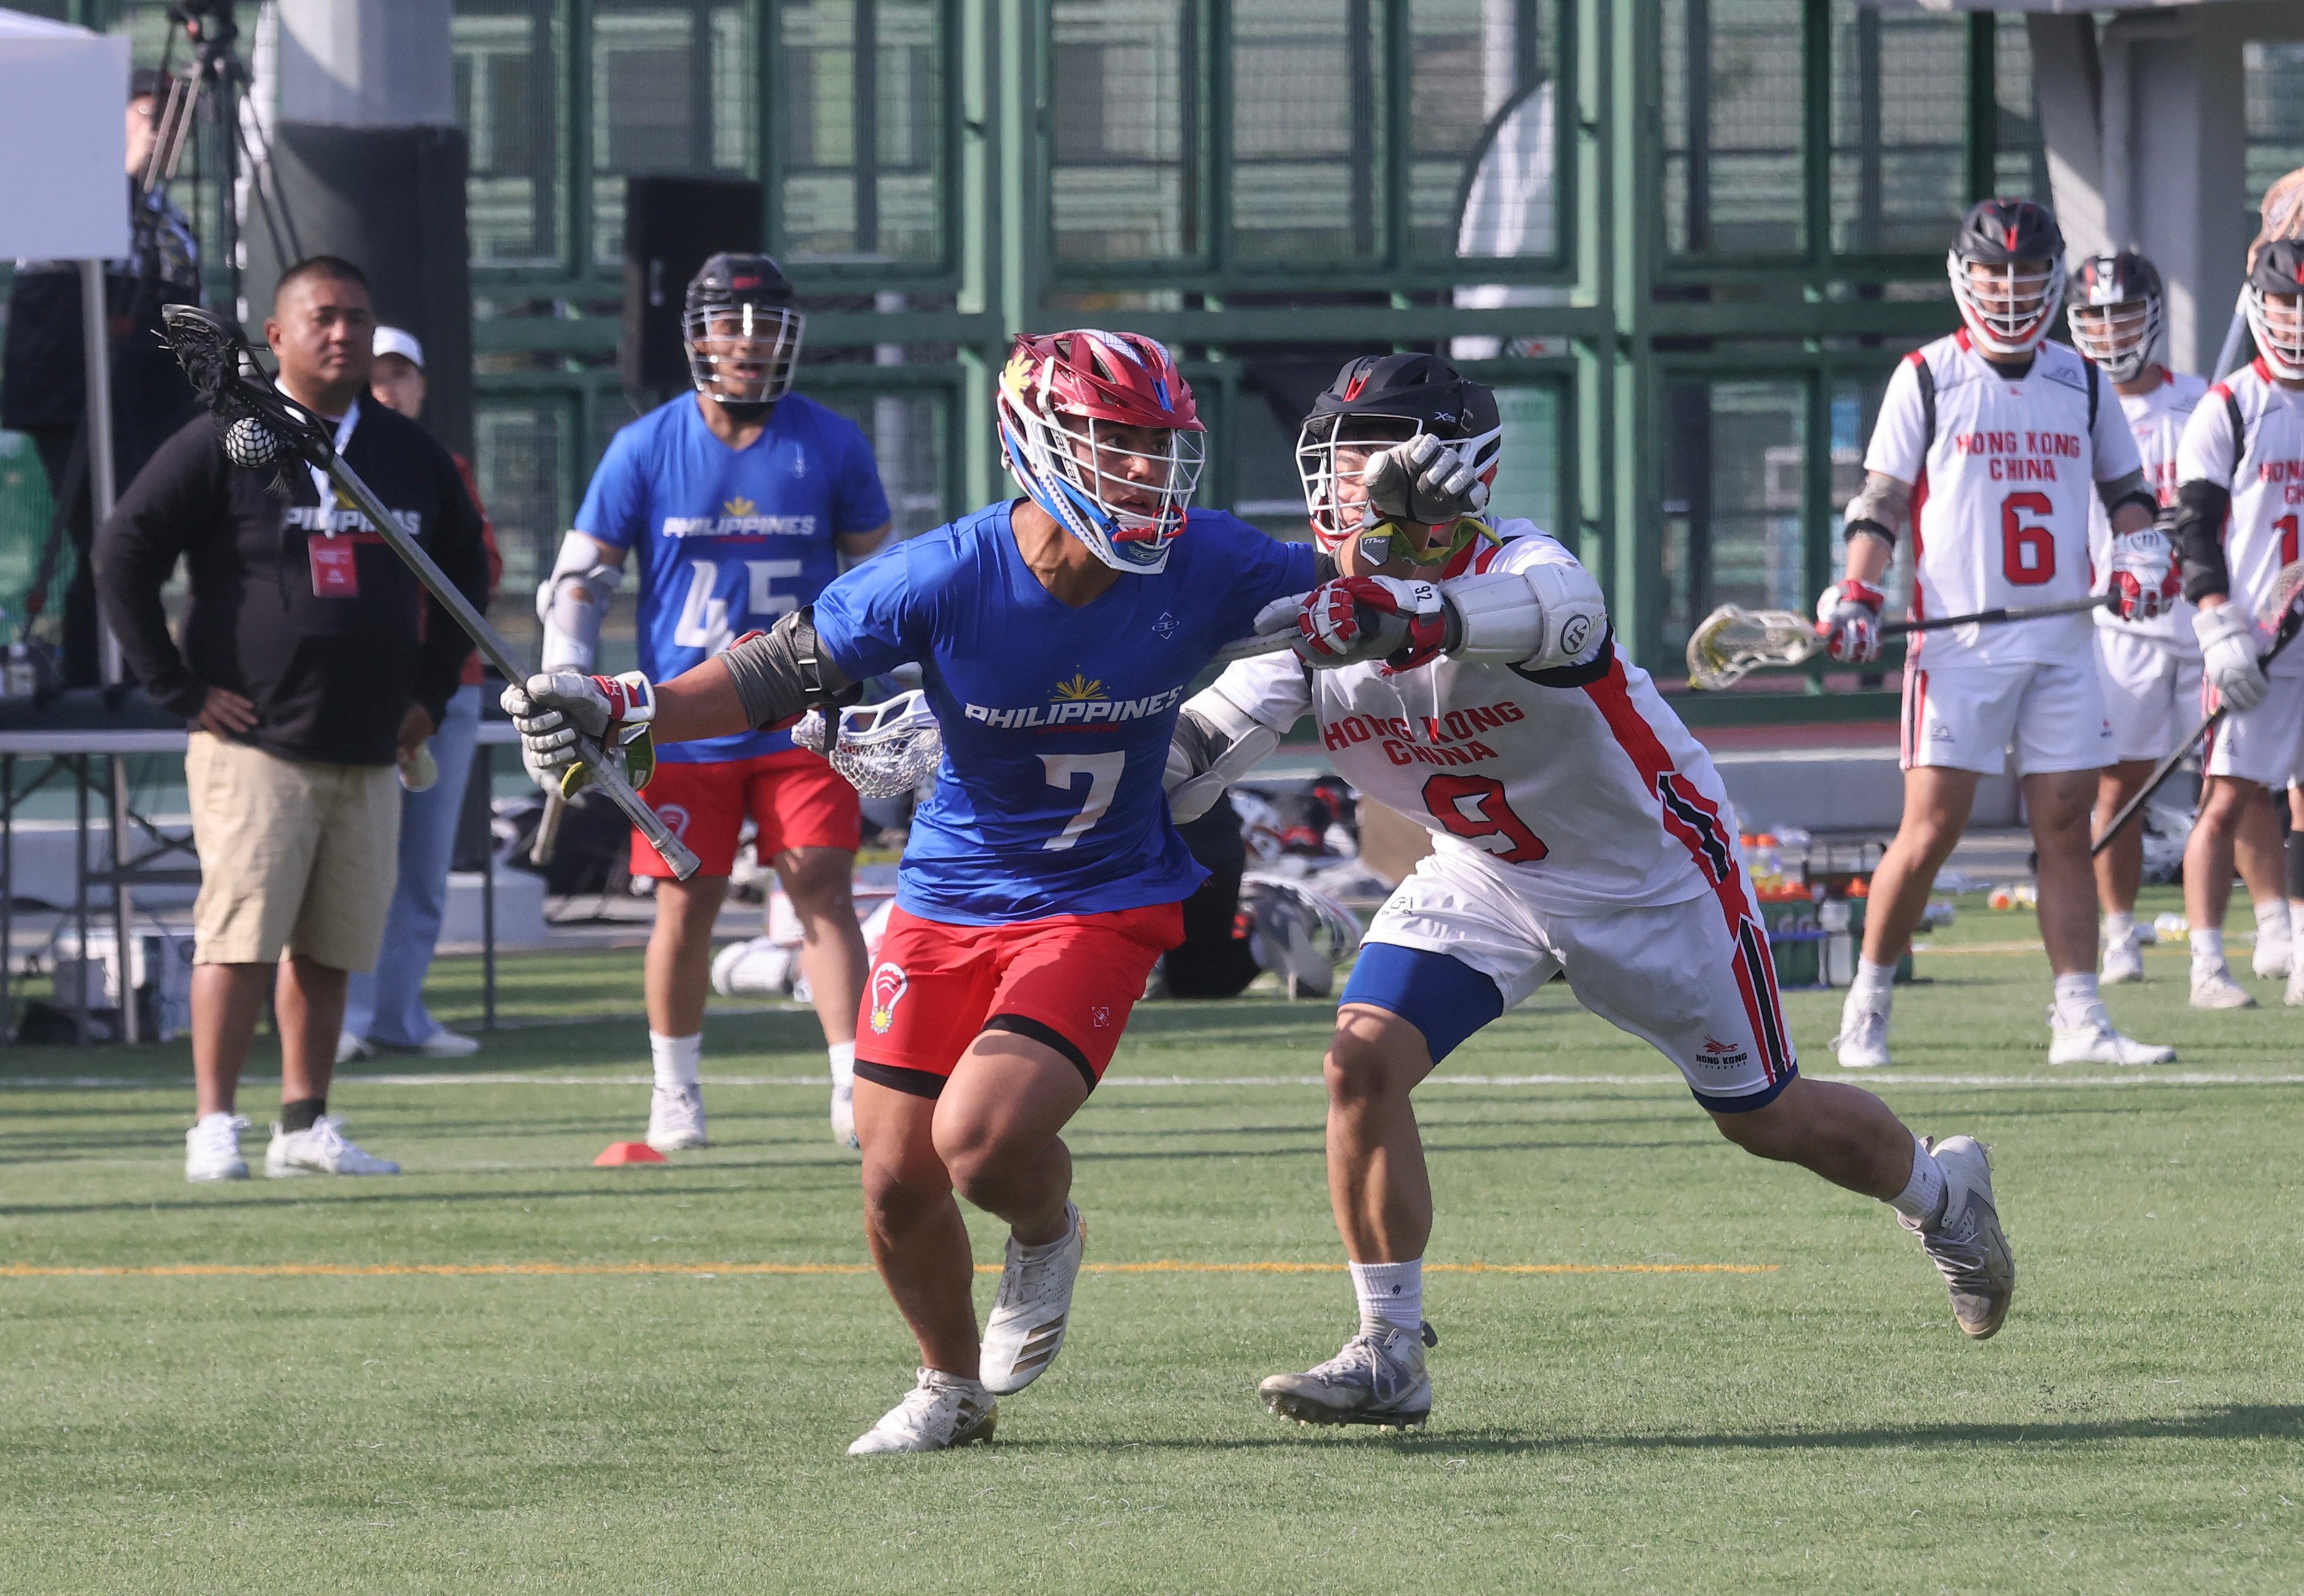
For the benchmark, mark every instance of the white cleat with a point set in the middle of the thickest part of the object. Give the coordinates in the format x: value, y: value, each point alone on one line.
x: 323, y: 1149
x: 2274, y: 957
x: 1027, y: 1327
x: 941, y: 1410
x: 212, y: 1148
x: 1863, y: 1040
x: 1377, y: 1379
x: 2094, y: 1041
x: 677, y: 1118
x: 2294, y: 996
x: 843, y: 1105
x: 2123, y: 964
x: 2215, y: 989
x: 1966, y: 1243
x: 445, y: 1043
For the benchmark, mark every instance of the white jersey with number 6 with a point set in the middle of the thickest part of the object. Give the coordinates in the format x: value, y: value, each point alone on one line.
x: 2000, y: 492
x: 2247, y: 437
x: 1581, y: 782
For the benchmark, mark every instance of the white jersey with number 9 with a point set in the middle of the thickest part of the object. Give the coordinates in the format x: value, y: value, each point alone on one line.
x: 2001, y: 490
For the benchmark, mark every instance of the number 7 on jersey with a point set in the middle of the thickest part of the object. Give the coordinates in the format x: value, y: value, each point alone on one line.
x: 1103, y: 773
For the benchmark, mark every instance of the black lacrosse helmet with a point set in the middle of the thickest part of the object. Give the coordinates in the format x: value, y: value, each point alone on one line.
x: 2116, y: 311
x: 1390, y: 399
x: 743, y: 326
x: 2008, y: 303
x: 2278, y: 275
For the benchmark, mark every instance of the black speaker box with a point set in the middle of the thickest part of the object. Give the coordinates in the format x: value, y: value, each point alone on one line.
x: 672, y: 226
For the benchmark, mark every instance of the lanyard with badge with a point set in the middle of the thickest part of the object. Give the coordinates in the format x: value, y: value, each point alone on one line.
x: 335, y: 565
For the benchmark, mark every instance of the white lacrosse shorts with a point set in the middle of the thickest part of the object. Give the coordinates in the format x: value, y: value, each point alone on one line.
x: 1967, y: 717
x: 2264, y: 744
x: 1691, y: 979
x: 2151, y: 692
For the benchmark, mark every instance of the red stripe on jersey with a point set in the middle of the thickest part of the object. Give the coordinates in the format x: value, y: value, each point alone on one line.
x: 1485, y: 557
x: 1916, y: 709
x: 1918, y: 608
x: 1695, y: 821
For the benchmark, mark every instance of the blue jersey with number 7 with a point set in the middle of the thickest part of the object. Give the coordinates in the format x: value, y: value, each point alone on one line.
x: 1056, y: 720
x: 725, y: 540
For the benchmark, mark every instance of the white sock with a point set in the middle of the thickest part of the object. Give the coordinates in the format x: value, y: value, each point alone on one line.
x: 844, y: 1064
x: 2207, y: 948
x: 1923, y: 1196
x: 2076, y: 994
x: 2120, y: 930
x: 1874, y: 984
x: 676, y: 1059
x: 2272, y: 922
x: 1391, y: 1295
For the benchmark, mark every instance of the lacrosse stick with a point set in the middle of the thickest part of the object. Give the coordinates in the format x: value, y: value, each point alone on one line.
x: 883, y: 750
x: 2288, y: 595
x: 1730, y: 643
x: 541, y: 846
x: 264, y: 429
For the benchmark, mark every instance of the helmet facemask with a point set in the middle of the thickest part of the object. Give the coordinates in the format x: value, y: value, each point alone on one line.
x: 2119, y: 338
x: 1122, y: 490
x: 2007, y: 304
x: 2277, y: 321
x: 743, y: 353
x: 1332, y: 452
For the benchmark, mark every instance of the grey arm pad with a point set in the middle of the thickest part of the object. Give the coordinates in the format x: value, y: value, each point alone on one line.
x: 782, y: 674
x: 2122, y: 490
x: 1216, y: 744
x: 1542, y: 617
x: 1882, y: 506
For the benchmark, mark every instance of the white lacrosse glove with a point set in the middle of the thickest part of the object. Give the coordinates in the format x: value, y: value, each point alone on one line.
x: 1848, y: 620
x: 1425, y: 481
x: 2228, y: 655
x: 550, y: 710
x: 883, y: 750
x: 1354, y: 619
x: 2144, y: 584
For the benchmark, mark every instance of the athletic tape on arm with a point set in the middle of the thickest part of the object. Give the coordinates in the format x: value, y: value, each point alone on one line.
x: 782, y: 674
x: 572, y: 603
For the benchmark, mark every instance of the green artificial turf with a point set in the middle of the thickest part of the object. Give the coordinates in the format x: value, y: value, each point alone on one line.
x: 2138, y: 1426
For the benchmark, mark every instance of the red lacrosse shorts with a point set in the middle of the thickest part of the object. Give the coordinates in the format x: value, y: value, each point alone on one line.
x: 1067, y: 982
x: 794, y: 797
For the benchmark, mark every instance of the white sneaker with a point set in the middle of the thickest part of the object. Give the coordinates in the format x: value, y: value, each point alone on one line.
x: 212, y: 1148
x: 323, y: 1149
x: 2094, y: 1041
x: 445, y: 1043
x: 2274, y: 957
x: 677, y: 1118
x: 349, y: 1047
x: 1026, y: 1326
x: 2124, y: 962
x: 843, y: 1105
x: 1377, y: 1379
x: 941, y: 1410
x: 1967, y: 1244
x: 1863, y: 1040
x: 2215, y: 989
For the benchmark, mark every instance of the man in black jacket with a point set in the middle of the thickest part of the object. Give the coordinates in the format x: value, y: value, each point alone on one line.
x: 306, y: 677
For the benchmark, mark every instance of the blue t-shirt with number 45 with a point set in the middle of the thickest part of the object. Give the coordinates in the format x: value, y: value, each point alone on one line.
x: 1056, y: 720
x: 724, y: 540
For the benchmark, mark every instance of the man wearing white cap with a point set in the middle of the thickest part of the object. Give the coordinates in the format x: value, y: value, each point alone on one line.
x: 385, y: 1009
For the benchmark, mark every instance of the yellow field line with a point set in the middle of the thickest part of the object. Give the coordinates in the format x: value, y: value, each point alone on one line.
x: 28, y: 1272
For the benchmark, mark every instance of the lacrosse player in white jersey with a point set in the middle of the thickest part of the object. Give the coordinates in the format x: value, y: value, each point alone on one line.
x: 2147, y: 657
x: 1992, y: 443
x: 2240, y: 498
x: 1466, y: 676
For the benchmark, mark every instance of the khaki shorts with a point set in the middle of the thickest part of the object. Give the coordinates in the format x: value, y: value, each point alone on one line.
x: 301, y: 856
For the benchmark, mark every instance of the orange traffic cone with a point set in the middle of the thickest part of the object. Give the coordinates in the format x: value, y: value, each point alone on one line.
x: 627, y: 1152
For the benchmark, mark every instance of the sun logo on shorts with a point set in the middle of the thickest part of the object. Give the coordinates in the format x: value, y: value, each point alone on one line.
x: 888, y: 985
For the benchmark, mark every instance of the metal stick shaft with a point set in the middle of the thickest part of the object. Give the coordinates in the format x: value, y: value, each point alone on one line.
x: 2073, y: 606
x: 605, y: 775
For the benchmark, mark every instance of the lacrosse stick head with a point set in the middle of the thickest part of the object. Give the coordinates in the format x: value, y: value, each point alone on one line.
x: 2283, y: 612
x: 883, y: 750
x: 1730, y: 643
x: 262, y: 429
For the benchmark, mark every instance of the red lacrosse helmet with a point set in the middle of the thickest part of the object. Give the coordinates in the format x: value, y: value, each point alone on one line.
x: 1059, y: 396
